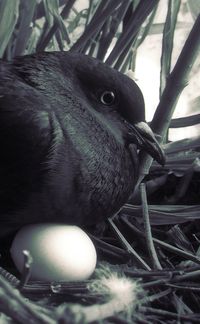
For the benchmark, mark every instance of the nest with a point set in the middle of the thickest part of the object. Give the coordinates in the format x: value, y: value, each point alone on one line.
x: 155, y: 266
x: 148, y: 264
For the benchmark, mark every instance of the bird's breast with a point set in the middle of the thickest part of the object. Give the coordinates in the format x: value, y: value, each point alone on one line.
x: 107, y: 169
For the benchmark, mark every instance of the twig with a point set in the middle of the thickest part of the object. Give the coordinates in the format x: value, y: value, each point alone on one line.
x: 15, y: 306
x: 194, y: 318
x: 184, y: 254
x: 184, y: 287
x: 9, y: 277
x: 154, y: 283
x: 148, y: 236
x: 167, y: 273
x: 169, y: 247
x: 159, y: 295
x: 127, y: 246
x: 186, y: 276
x: 26, y: 270
x: 121, y: 295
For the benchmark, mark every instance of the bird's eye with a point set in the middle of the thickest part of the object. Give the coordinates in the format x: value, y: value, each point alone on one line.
x: 107, y: 98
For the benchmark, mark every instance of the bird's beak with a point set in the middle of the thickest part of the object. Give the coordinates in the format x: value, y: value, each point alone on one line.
x: 142, y: 135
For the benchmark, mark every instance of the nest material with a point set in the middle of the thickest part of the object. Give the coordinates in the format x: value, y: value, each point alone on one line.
x: 154, y: 249
x: 169, y: 290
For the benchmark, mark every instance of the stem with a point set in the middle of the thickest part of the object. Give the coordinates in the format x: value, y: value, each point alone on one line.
x: 134, y: 43
x: 95, y: 25
x: 167, y: 41
x: 171, y: 248
x: 149, y: 240
x: 170, y: 315
x: 142, y: 11
x: 64, y: 14
x: 176, y: 82
x: 128, y: 246
x: 108, y: 36
x: 185, y: 121
x: 15, y: 306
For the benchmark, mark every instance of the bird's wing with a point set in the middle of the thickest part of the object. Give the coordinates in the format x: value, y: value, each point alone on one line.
x: 25, y: 137
x: 38, y: 164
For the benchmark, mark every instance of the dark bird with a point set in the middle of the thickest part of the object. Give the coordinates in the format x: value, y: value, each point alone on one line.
x: 71, y: 127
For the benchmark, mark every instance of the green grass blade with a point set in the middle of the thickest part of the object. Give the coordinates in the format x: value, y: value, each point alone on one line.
x: 9, y: 12
x: 24, y: 31
x: 167, y: 43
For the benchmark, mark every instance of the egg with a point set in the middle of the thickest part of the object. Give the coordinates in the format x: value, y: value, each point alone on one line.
x: 60, y: 252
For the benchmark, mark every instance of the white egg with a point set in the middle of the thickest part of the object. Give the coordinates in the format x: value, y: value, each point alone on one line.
x: 60, y: 252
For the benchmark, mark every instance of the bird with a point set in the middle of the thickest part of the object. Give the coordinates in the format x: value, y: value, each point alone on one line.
x: 71, y: 129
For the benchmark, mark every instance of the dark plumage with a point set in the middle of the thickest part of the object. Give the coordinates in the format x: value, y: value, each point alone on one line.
x: 65, y: 139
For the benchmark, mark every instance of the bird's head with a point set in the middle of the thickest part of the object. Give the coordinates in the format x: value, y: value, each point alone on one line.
x: 111, y: 97
x: 118, y: 99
